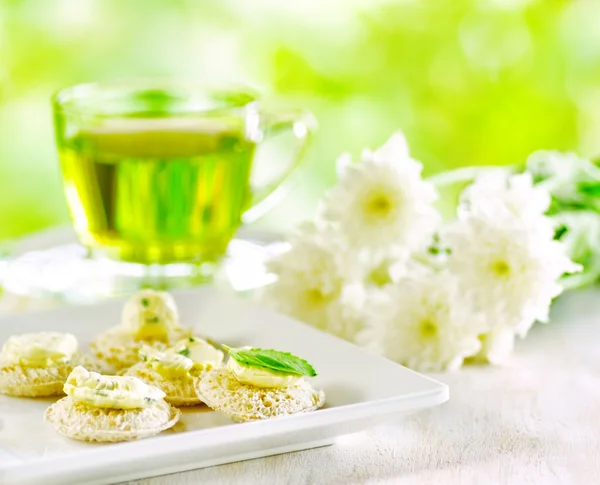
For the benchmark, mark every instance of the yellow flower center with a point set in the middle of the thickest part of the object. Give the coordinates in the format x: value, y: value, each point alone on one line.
x: 500, y: 268
x: 315, y: 297
x: 380, y: 276
x: 428, y: 329
x: 379, y: 205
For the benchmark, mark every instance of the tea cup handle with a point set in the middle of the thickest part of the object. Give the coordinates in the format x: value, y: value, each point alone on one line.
x: 301, y: 124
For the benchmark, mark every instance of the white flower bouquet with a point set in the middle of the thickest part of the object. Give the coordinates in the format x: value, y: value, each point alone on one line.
x: 378, y: 267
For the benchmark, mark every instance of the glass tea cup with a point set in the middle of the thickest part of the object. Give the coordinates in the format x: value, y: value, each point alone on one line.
x: 160, y: 174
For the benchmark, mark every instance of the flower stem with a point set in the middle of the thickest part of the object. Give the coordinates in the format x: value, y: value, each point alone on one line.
x: 575, y: 281
x: 464, y: 174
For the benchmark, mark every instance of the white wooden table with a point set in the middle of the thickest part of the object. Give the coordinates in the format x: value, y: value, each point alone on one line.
x: 534, y: 421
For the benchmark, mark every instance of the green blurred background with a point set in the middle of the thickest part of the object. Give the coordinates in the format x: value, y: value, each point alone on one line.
x: 469, y: 82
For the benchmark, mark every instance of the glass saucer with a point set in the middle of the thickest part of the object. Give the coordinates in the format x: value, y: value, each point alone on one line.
x: 55, y: 266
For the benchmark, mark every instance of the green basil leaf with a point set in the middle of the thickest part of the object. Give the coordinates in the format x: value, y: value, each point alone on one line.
x: 273, y: 360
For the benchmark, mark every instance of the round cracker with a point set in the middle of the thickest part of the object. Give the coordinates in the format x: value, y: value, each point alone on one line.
x: 180, y: 390
x: 119, y: 350
x: 22, y: 381
x: 221, y: 391
x: 86, y: 423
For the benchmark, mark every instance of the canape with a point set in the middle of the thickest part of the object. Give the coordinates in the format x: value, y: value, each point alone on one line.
x: 260, y: 384
x: 176, y: 370
x: 37, y: 364
x: 149, y: 318
x: 110, y: 408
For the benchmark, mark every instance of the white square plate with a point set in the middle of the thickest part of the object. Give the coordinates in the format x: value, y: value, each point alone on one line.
x: 361, y: 390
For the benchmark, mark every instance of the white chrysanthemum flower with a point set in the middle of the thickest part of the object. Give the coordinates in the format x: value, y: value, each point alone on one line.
x: 317, y: 283
x: 562, y: 174
x: 345, y: 316
x: 582, y: 232
x: 382, y: 203
x: 424, y: 323
x: 379, y: 269
x: 580, y: 239
x: 496, y: 346
x: 499, y: 191
x: 510, y: 267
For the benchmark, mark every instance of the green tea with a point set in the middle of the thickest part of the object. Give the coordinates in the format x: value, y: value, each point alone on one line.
x: 158, y: 190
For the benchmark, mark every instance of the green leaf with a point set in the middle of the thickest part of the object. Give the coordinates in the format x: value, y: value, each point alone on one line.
x: 589, y: 188
x: 273, y: 360
x: 557, y: 206
x: 560, y: 231
x: 185, y: 352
